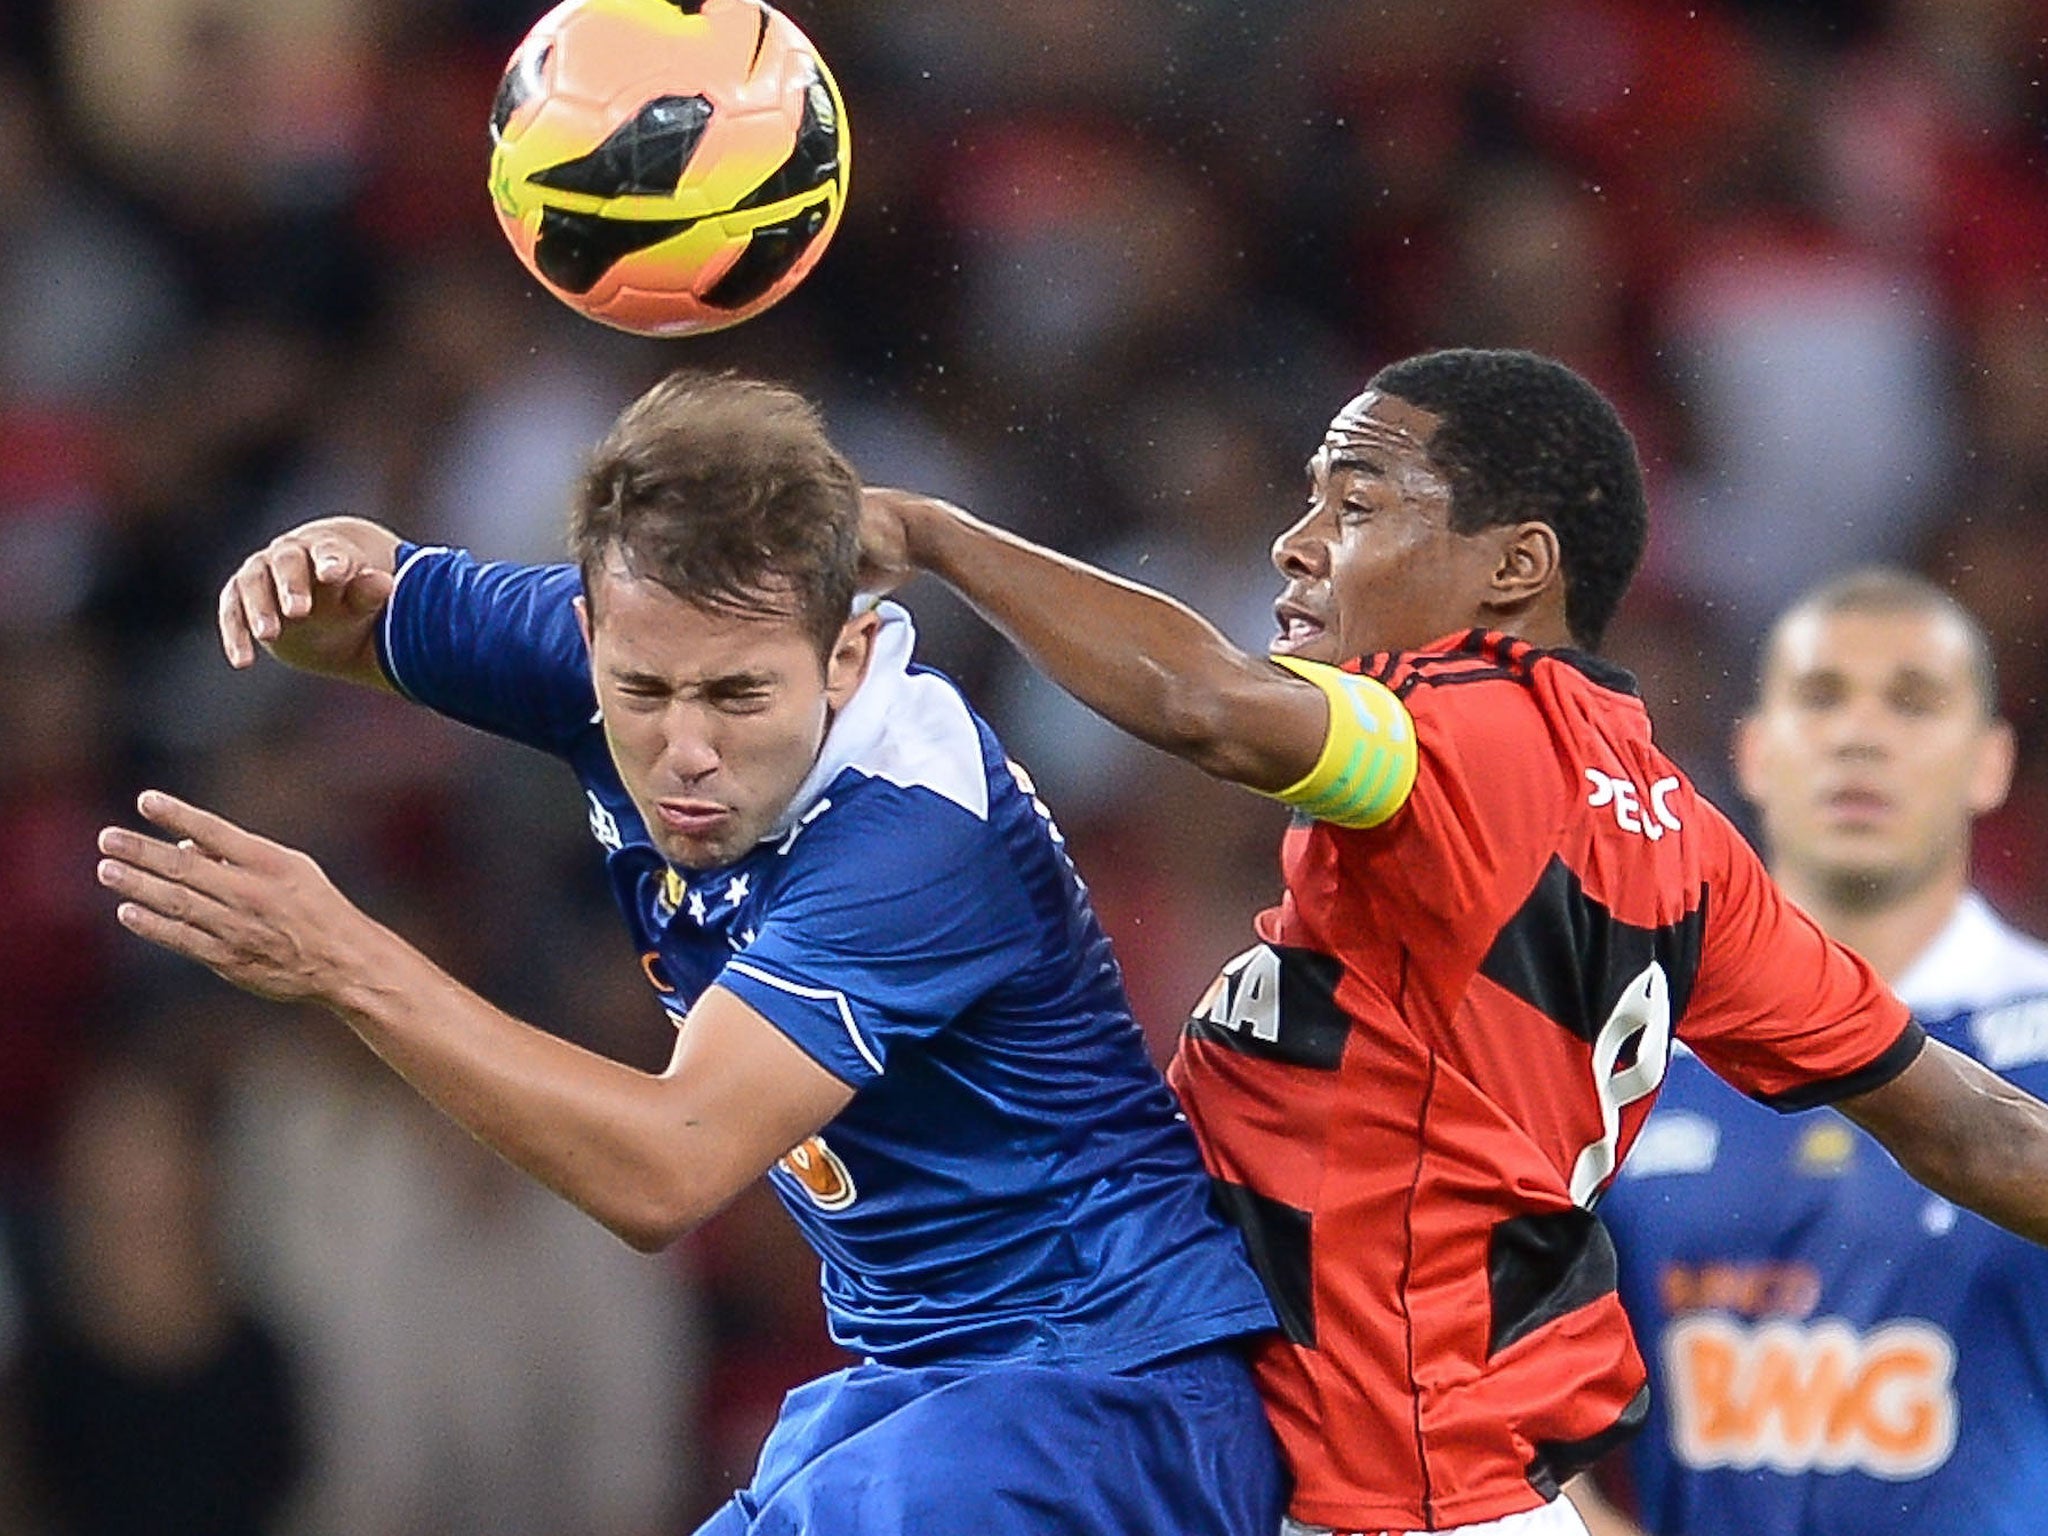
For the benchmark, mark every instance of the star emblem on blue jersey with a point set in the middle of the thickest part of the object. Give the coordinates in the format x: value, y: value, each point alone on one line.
x: 697, y: 909
x: 736, y: 888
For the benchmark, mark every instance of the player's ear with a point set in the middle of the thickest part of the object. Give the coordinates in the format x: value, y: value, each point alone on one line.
x: 582, y: 618
x: 1991, y: 773
x: 1530, y: 563
x: 851, y: 652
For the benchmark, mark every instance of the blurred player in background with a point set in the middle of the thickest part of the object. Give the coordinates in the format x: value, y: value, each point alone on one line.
x: 1833, y: 1350
x: 1502, y: 902
x: 891, y: 993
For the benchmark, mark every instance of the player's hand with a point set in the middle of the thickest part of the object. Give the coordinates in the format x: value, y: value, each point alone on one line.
x: 888, y: 529
x: 308, y: 595
x: 256, y: 913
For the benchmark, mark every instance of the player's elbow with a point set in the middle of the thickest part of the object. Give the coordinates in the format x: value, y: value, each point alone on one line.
x: 655, y: 1216
x: 647, y: 1237
x: 655, y: 1230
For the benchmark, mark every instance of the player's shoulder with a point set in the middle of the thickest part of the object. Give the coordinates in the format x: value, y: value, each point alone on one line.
x: 907, y: 728
x: 1489, y: 685
x: 1977, y: 961
x: 1982, y: 986
x: 1499, y: 719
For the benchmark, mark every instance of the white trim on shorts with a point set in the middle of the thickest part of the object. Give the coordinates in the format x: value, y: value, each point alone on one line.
x: 1557, y: 1518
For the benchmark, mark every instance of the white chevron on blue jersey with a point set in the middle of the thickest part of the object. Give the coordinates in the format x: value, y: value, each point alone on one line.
x: 911, y: 728
x: 1977, y: 961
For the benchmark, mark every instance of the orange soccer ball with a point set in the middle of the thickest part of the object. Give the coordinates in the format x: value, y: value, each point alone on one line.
x: 668, y: 166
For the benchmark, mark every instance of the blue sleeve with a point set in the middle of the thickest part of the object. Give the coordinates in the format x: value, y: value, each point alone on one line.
x: 491, y: 644
x: 898, y: 914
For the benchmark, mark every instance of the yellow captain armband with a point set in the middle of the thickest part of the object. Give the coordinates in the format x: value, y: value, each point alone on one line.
x: 1368, y: 762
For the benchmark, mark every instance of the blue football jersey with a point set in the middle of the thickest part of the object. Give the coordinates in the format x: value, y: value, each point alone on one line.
x: 1835, y: 1350
x: 1012, y: 1180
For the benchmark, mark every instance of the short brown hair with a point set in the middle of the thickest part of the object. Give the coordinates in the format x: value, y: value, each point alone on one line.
x: 726, y: 492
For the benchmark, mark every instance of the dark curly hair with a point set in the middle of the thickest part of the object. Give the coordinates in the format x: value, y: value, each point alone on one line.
x: 726, y: 492
x: 1524, y: 439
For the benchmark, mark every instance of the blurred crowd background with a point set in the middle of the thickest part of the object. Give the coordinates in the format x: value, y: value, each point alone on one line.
x: 1107, y: 269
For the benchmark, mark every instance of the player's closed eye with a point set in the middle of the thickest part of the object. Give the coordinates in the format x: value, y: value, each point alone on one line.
x: 741, y: 701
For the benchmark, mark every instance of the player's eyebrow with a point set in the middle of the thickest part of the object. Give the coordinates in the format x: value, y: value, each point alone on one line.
x: 633, y: 677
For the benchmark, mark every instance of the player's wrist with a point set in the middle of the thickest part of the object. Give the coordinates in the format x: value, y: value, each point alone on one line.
x: 930, y: 530
x: 366, y: 973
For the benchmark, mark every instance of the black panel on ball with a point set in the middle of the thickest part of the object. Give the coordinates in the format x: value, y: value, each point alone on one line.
x: 574, y: 250
x: 771, y: 251
x: 644, y: 156
x: 522, y: 78
x: 813, y: 161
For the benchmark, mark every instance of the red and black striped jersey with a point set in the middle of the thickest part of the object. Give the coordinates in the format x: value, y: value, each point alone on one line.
x: 1413, y: 1089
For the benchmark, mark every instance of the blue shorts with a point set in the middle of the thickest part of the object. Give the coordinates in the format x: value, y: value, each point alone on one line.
x: 1179, y: 1448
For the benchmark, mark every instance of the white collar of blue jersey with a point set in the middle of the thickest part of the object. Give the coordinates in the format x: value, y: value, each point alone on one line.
x: 1977, y: 959
x: 909, y: 729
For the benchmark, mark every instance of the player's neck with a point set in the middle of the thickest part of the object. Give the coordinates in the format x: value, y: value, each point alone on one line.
x: 1890, y: 934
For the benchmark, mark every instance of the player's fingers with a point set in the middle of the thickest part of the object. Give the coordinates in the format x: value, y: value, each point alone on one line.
x: 167, y: 897
x: 178, y: 937
x: 256, y: 591
x: 237, y: 643
x: 291, y: 573
x: 183, y: 861
x: 211, y: 835
x: 334, y: 560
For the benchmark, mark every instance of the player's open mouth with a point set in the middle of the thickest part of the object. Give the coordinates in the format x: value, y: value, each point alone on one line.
x: 1297, y: 629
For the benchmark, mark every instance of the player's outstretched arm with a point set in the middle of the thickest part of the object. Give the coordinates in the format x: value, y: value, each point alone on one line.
x: 1967, y: 1134
x: 648, y: 1156
x: 312, y: 598
x: 1135, y: 656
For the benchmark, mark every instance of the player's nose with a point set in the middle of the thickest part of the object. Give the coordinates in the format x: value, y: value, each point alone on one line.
x: 1300, y: 551
x: 1861, y: 728
x: 689, y: 751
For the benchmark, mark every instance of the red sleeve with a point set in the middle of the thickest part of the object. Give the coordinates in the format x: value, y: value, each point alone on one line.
x: 1781, y: 1010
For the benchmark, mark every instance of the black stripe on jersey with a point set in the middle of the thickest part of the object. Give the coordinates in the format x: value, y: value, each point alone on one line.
x: 1540, y: 1267
x: 1559, y: 1461
x: 1898, y: 1056
x: 1569, y: 958
x: 1481, y: 655
x: 1467, y: 674
x: 1278, y: 1003
x: 1277, y: 1237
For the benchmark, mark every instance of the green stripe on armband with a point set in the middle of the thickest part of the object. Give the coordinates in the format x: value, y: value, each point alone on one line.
x: 1368, y: 762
